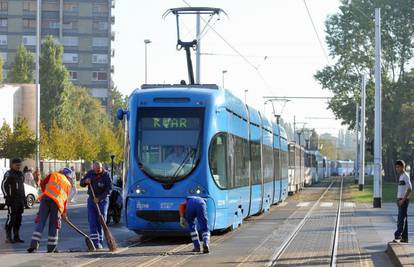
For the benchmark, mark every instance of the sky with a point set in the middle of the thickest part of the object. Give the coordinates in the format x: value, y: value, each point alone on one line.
x: 278, y: 30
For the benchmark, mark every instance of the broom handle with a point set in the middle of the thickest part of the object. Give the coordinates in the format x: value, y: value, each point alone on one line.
x: 96, y: 204
x: 74, y: 227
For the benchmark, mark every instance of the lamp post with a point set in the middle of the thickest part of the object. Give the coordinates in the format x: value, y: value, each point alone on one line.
x: 112, y: 167
x: 245, y: 96
x: 222, y: 77
x: 146, y: 42
x: 38, y: 10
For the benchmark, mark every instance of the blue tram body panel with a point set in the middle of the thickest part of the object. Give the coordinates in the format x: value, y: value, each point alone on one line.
x: 188, y: 140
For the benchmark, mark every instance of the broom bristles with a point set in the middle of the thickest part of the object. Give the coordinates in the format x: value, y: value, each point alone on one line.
x: 110, y: 240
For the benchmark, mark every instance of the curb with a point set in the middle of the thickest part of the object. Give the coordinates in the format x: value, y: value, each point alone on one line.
x: 398, y: 254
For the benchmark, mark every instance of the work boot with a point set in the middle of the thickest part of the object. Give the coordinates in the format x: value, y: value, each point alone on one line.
x: 206, y: 249
x: 196, y: 249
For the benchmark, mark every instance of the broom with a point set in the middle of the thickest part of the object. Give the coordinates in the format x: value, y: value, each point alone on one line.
x: 110, y: 240
x: 88, y: 241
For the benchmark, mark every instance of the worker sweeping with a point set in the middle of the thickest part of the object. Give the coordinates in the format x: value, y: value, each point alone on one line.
x: 53, y: 203
x: 190, y: 210
x: 101, y: 183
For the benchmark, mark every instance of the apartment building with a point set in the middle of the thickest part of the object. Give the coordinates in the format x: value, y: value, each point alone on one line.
x: 83, y: 27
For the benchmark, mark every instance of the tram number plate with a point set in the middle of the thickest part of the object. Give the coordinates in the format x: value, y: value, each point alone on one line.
x: 142, y: 206
x: 166, y: 205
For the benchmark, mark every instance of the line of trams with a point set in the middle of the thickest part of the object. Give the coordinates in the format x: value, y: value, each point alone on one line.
x: 201, y: 140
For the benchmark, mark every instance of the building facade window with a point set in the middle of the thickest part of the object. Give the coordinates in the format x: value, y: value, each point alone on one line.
x: 70, y: 7
x: 29, y: 39
x: 3, y: 39
x: 100, y: 41
x: 29, y: 23
x: 70, y: 25
x: 3, y: 22
x: 100, y: 8
x: 73, y: 75
x: 70, y: 41
x: 29, y: 6
x: 50, y: 6
x: 99, y: 58
x: 100, y: 26
x: 4, y: 5
x: 99, y: 76
x: 50, y: 24
x: 99, y: 92
x: 70, y: 58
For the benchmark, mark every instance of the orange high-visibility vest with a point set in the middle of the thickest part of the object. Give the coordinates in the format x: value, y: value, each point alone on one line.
x: 58, y: 189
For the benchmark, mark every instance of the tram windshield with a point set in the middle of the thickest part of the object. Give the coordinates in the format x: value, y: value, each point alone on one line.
x: 169, y: 142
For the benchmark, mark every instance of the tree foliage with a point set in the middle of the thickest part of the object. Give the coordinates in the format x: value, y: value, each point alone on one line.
x: 21, y: 69
x: 20, y: 142
x: 54, y: 78
x: 350, y: 39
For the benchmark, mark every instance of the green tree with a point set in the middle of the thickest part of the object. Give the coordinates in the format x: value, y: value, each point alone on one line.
x: 21, y: 69
x: 54, y: 78
x: 22, y: 142
x: 108, y: 145
x: 87, y: 146
x: 5, y: 135
x: 61, y: 143
x: 350, y: 39
x: 44, y: 143
x: 117, y: 101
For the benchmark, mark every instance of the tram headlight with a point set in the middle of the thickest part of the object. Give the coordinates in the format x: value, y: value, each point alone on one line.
x: 139, y: 190
x: 196, y: 190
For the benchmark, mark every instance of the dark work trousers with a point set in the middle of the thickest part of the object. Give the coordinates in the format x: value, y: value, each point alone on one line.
x: 95, y: 228
x: 47, y: 209
x: 196, y: 209
x: 14, y: 218
x: 402, y: 224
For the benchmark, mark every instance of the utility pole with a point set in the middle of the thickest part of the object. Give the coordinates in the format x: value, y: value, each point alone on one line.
x: 198, y: 51
x: 38, y: 36
x: 378, y: 110
x: 357, y: 144
x: 146, y: 42
x: 362, y: 146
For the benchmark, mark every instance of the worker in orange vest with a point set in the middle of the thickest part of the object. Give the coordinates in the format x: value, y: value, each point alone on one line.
x: 55, y: 191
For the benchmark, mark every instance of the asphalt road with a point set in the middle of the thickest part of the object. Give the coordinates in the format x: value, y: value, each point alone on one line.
x: 69, y: 240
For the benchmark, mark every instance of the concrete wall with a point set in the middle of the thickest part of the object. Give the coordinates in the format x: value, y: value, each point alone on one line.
x: 18, y: 100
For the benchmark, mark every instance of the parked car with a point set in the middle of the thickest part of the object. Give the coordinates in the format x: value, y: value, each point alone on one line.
x: 31, y: 192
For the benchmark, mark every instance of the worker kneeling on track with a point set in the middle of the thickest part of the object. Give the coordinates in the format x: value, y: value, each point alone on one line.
x: 53, y: 202
x: 190, y: 210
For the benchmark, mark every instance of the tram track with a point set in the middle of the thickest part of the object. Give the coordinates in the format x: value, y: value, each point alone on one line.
x: 288, y: 244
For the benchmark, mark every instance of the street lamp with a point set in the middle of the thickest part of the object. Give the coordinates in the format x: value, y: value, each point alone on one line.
x: 38, y: 10
x: 146, y: 42
x: 222, y: 76
x: 245, y: 96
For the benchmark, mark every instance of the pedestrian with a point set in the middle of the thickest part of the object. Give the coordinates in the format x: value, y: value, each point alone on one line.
x: 190, y: 210
x: 13, y: 191
x: 74, y: 190
x: 101, y: 183
x: 28, y: 176
x: 403, y: 198
x: 37, y: 176
x: 53, y: 203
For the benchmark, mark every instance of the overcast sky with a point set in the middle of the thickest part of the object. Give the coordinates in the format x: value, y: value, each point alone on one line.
x: 277, y: 29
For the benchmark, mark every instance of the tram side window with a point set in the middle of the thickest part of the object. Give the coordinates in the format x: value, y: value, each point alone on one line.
x: 285, y: 159
x: 256, y: 171
x: 267, y: 164
x: 217, y: 160
x: 230, y: 161
x: 291, y: 156
x: 241, y: 162
x: 277, y: 165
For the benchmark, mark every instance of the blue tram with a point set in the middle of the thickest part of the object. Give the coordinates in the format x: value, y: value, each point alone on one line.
x: 199, y: 140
